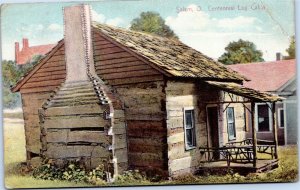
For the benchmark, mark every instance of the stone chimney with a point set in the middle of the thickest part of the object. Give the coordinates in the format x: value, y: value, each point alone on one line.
x: 278, y: 56
x: 17, y: 50
x: 78, y: 43
x: 25, y: 43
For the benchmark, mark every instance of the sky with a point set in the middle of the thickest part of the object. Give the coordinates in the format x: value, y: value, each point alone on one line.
x: 205, y: 25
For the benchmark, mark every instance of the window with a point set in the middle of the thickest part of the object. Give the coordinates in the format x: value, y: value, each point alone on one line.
x: 189, y: 127
x: 281, y: 117
x: 231, y: 124
x: 263, y: 118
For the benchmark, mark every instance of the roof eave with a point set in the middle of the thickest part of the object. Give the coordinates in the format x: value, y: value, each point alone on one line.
x: 27, y: 76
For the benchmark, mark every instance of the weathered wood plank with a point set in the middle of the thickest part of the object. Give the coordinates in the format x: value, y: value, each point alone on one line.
x: 57, y: 136
x: 129, y: 74
x: 75, y: 122
x: 146, y: 159
x: 36, y: 96
x: 101, y: 42
x: 89, y: 136
x: 97, y: 47
x: 53, y: 64
x: 43, y: 83
x: 120, y: 141
x: 33, y: 103
x: 124, y: 69
x: 178, y: 137
x: 60, y: 72
x: 119, y: 129
x: 101, y: 152
x: 134, y: 80
x: 51, y: 69
x: 104, y: 51
x: 146, y: 129
x: 145, y: 117
x: 63, y: 151
x: 87, y: 109
x: 121, y: 155
x: 146, y: 141
x: 112, y: 56
x: 114, y: 61
x: 119, y: 65
x: 38, y: 89
x: 45, y: 78
x: 180, y: 164
x: 57, y: 58
x: 149, y: 148
x: 31, y: 117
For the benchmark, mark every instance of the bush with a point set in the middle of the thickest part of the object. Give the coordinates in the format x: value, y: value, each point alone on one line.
x: 73, y: 172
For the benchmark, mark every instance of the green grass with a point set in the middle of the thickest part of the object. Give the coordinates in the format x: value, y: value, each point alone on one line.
x: 14, y: 155
x: 17, y: 177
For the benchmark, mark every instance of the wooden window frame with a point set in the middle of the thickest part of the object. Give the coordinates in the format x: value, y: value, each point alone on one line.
x: 229, y: 139
x: 187, y: 147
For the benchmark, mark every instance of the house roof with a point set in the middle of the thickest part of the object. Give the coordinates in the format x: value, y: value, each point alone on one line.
x: 170, y: 55
x: 249, y: 93
x: 267, y: 76
x: 27, y: 53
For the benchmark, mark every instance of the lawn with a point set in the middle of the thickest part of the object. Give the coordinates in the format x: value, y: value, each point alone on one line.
x: 14, y: 156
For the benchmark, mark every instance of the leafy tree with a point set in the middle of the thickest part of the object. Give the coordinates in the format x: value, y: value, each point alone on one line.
x: 153, y: 23
x: 11, y: 74
x: 23, y: 69
x: 292, y: 48
x: 241, y: 52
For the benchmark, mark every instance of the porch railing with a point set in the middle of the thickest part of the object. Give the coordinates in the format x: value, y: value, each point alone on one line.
x: 238, y: 152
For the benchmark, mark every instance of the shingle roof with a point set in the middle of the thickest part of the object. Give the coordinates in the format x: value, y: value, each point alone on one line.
x: 170, y: 55
x: 267, y: 76
x: 245, y: 92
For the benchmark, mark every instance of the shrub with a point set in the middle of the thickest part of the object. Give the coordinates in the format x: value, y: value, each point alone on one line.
x: 72, y: 172
x: 132, y: 177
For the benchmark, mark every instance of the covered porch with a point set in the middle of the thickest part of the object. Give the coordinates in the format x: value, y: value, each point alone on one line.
x: 247, y: 155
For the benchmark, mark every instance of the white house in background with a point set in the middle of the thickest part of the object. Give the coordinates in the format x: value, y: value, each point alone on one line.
x: 278, y: 77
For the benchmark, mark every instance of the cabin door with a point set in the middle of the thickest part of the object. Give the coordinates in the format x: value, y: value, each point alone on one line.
x: 212, y: 116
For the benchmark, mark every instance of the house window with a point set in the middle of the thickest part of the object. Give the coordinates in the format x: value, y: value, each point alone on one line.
x: 263, y: 118
x: 231, y: 124
x: 281, y: 117
x: 189, y: 128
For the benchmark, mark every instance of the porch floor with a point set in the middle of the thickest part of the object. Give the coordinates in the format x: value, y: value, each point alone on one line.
x: 241, y: 168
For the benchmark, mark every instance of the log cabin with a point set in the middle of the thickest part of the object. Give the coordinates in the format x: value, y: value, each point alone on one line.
x: 131, y: 100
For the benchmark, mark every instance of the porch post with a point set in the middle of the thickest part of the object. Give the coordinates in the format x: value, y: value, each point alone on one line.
x: 275, y: 129
x: 253, y: 133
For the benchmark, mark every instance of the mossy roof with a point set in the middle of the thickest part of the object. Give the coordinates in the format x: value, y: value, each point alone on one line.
x: 170, y: 55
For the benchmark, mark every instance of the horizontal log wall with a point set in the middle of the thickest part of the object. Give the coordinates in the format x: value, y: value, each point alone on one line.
x: 146, y: 128
x: 117, y: 66
x: 31, y: 103
x: 180, y: 95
